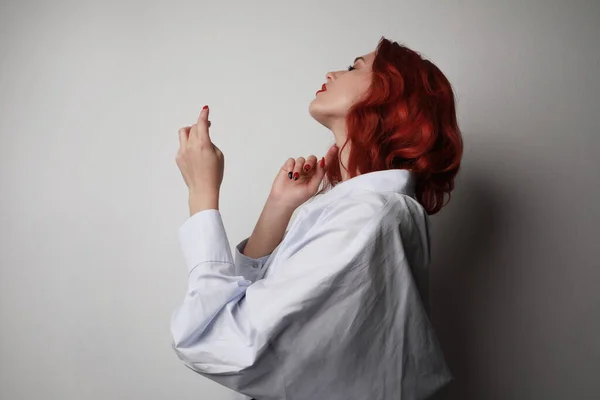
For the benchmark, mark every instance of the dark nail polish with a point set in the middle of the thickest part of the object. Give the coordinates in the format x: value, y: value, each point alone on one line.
x: 296, y: 176
x: 290, y: 175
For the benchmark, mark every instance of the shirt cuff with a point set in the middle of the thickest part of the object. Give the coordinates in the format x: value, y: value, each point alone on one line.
x: 250, y: 268
x: 203, y: 238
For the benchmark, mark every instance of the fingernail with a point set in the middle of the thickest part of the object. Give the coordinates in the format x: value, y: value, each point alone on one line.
x: 296, y: 176
x: 322, y: 162
x: 290, y: 174
x: 306, y: 167
x: 205, y: 107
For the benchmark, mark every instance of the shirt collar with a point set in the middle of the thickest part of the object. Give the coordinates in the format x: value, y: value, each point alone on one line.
x: 388, y: 180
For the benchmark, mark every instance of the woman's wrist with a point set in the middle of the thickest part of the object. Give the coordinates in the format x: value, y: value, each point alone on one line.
x: 203, y: 201
x: 277, y: 204
x: 269, y: 229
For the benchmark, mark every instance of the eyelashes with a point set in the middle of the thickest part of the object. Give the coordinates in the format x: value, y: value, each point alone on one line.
x: 350, y: 68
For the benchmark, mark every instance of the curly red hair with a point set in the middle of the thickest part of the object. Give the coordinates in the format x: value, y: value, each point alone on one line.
x: 407, y: 120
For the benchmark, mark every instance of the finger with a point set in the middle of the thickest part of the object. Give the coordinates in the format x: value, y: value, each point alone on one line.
x: 202, y: 125
x: 298, y: 168
x: 193, y: 130
x: 310, y: 164
x: 317, y: 177
x: 288, y: 167
x: 183, y: 136
x: 331, y: 156
x: 193, y: 134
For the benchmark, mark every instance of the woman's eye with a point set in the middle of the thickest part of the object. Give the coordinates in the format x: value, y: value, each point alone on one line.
x: 350, y: 68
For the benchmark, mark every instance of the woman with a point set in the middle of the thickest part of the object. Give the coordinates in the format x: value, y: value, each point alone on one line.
x: 335, y: 308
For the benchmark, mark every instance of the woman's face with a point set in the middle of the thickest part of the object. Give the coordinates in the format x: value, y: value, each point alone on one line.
x: 344, y: 88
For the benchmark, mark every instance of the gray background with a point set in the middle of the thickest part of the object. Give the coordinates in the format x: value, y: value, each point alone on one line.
x: 92, y: 95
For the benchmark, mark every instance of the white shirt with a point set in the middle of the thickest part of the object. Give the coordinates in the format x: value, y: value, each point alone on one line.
x: 335, y: 312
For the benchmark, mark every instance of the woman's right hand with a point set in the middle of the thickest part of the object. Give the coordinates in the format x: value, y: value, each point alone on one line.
x: 294, y: 192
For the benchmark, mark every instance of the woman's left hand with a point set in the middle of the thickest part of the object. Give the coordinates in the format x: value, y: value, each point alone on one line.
x: 201, y: 162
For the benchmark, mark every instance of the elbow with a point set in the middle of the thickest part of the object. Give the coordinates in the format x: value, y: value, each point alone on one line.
x: 204, y: 352
x: 211, y: 345
x: 215, y: 358
x: 180, y: 331
x: 182, y: 354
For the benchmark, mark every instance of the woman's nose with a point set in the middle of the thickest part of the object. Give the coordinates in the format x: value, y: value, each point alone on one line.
x: 330, y: 76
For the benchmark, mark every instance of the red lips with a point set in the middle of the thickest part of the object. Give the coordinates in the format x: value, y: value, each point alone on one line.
x: 323, y: 88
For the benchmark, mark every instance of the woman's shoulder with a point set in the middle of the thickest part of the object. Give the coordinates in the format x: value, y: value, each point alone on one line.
x: 362, y: 206
x: 371, y: 208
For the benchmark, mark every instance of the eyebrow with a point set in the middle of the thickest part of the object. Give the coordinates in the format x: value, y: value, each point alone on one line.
x: 359, y: 58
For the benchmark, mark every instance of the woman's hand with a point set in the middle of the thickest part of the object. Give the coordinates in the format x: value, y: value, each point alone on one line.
x: 201, y: 162
x: 306, y: 178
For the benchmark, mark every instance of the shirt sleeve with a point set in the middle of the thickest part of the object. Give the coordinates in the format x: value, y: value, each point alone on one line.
x: 251, y: 269
x: 224, y: 326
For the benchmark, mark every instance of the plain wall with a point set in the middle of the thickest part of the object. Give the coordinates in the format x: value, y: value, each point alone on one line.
x: 92, y: 95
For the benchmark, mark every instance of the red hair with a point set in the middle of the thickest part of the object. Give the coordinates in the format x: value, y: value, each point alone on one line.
x: 407, y: 120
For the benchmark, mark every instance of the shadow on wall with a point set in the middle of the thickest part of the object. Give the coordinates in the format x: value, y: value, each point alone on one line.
x: 464, y: 237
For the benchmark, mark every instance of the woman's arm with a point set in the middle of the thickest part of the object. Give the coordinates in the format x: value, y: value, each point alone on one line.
x: 269, y: 229
x: 226, y: 326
